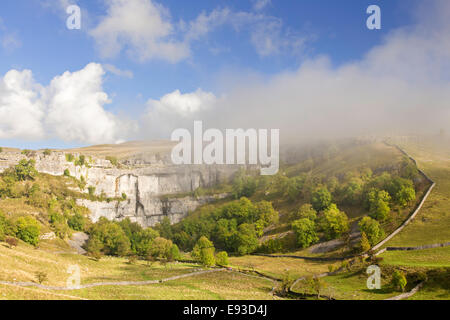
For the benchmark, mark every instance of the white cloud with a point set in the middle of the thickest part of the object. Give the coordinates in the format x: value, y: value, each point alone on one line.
x: 21, y: 111
x: 175, y: 110
x: 401, y: 86
x: 141, y: 27
x: 71, y: 108
x: 261, y: 4
x: 118, y: 72
x: 11, y: 42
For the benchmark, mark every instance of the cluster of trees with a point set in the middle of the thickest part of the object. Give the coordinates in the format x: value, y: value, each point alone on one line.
x: 126, y: 238
x: 234, y: 227
x: 25, y: 228
x: 330, y: 221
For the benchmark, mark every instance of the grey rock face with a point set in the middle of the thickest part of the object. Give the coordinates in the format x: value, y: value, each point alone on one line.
x: 145, y: 185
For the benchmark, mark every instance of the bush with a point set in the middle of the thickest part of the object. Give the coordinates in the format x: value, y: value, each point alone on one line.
x: 25, y: 170
x: 70, y: 157
x: 28, y: 230
x: 91, y: 191
x: 41, y: 277
x: 67, y: 173
x: 47, y: 152
x: 365, y: 244
x: 77, y: 222
x: 113, y: 160
x: 398, y: 280
x: 222, y: 259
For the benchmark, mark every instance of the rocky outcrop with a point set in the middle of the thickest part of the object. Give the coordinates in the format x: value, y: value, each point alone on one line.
x: 149, y: 186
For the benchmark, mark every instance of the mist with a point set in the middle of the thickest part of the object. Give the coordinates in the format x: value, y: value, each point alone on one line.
x: 399, y: 87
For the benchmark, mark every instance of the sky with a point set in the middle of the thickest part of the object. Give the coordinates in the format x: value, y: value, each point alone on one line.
x: 139, y: 69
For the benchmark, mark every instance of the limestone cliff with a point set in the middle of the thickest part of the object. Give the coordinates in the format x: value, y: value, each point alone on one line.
x: 146, y: 184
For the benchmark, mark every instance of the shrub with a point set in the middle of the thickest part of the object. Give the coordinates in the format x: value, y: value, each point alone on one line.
x: 77, y: 222
x: 113, y: 160
x: 124, y: 196
x: 365, y: 244
x: 399, y: 280
x: 41, y: 277
x: 67, y: 173
x: 222, y: 259
x: 91, y: 191
x: 47, y: 152
x: 25, y: 170
x: 1, y: 149
x: 70, y: 157
x: 28, y: 230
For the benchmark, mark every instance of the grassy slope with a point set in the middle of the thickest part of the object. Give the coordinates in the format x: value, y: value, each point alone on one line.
x: 21, y: 263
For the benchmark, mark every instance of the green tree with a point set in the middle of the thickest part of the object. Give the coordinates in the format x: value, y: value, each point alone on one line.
x: 321, y: 199
x: 365, y: 244
x: 335, y: 222
x: 372, y: 229
x: 204, y: 252
x: 28, y: 230
x: 246, y: 239
x: 379, y: 204
x: 25, y: 170
x: 222, y: 259
x: 306, y: 211
x: 305, y: 231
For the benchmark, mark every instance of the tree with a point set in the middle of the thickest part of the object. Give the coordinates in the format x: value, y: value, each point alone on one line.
x: 294, y: 187
x: 28, y: 230
x: 379, y: 204
x: 321, y: 199
x: 161, y: 248
x: 266, y: 213
x: 365, y: 244
x: 66, y: 173
x: 399, y: 281
x: 204, y: 252
x: 113, y: 238
x: 335, y: 222
x: 25, y: 170
x: 246, y: 239
x: 372, y: 229
x: 305, y: 232
x: 94, y: 248
x: 222, y: 259
x: 306, y: 211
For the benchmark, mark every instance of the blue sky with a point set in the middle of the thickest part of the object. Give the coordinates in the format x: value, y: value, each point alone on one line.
x: 34, y: 37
